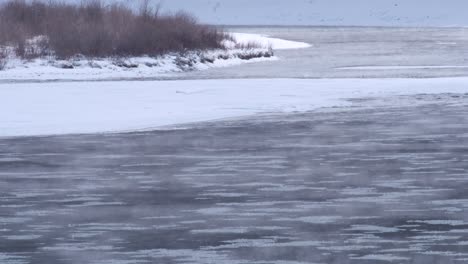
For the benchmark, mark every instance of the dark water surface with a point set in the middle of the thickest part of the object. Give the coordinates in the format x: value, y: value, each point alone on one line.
x: 372, y: 184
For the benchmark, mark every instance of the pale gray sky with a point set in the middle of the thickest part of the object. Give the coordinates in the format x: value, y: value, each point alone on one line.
x: 323, y: 12
x: 327, y: 12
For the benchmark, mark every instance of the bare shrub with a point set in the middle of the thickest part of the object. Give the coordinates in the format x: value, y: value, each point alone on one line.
x: 93, y: 29
x: 249, y: 45
x: 252, y: 54
x: 3, y: 58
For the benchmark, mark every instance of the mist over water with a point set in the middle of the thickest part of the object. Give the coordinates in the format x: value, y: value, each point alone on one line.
x: 380, y: 181
x: 375, y: 183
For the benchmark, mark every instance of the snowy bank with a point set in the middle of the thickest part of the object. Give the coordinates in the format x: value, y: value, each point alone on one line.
x: 90, y: 107
x: 81, y: 68
x: 265, y: 41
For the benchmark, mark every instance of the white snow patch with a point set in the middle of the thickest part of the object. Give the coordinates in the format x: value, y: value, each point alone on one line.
x: 265, y: 41
x: 28, y: 109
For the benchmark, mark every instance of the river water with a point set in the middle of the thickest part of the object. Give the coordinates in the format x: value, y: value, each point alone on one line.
x: 336, y: 47
x: 382, y: 181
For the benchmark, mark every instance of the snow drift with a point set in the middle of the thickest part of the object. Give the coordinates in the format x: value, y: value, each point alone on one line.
x: 92, y: 107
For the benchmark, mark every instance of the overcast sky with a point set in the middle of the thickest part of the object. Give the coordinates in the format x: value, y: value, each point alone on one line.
x: 327, y: 12
x: 323, y: 12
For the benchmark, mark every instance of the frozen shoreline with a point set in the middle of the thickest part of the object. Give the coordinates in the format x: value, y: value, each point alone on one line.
x: 32, y: 109
x: 83, y: 69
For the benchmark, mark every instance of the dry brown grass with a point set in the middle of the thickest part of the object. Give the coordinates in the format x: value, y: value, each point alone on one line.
x: 96, y: 30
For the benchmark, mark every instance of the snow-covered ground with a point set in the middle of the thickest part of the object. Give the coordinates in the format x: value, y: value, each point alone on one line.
x: 123, y: 68
x: 146, y: 67
x: 91, y: 107
x: 266, y: 41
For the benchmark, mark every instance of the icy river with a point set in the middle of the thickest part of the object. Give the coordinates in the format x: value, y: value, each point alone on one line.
x: 382, y: 179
